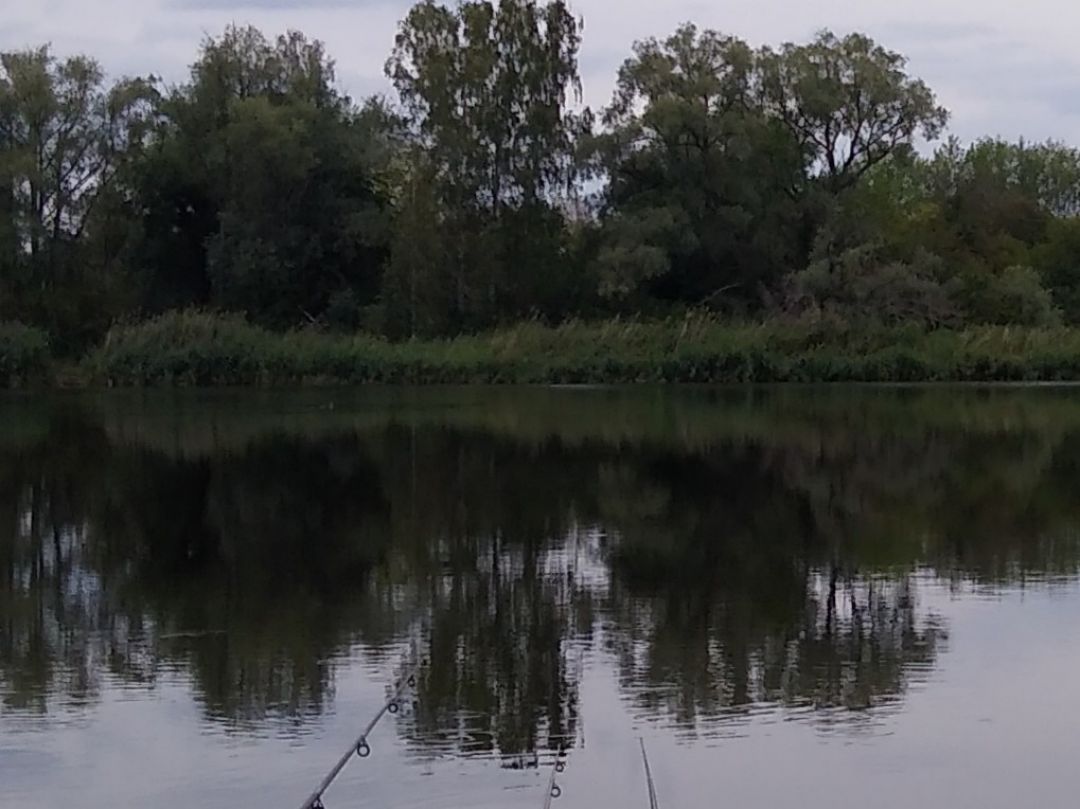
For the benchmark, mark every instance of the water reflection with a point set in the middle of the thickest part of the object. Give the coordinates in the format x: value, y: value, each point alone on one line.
x: 722, y: 552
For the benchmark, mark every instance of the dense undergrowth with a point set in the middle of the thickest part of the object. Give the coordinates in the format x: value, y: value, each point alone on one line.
x: 24, y: 354
x: 199, y: 348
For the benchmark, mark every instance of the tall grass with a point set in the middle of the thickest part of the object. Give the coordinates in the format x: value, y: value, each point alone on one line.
x: 200, y: 348
x: 24, y: 354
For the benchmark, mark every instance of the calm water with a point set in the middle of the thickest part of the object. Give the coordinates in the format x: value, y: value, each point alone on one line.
x: 841, y: 597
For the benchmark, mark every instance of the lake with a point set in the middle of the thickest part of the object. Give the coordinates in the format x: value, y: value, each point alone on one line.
x: 791, y: 597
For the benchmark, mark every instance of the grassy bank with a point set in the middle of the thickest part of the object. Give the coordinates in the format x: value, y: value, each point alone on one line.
x: 194, y: 348
x: 24, y: 355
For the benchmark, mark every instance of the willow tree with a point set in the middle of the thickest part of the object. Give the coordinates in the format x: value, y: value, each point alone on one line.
x: 488, y: 91
x: 848, y: 101
x: 696, y: 205
x: 851, y: 105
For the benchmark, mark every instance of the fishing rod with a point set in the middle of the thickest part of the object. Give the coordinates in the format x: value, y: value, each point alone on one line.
x: 554, y: 790
x: 648, y: 776
x: 361, y: 747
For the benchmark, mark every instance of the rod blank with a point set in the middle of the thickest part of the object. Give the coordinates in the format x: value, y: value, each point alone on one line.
x: 553, y: 790
x: 360, y: 747
x: 648, y: 776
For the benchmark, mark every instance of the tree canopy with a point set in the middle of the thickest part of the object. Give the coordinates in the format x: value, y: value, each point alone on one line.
x: 804, y: 180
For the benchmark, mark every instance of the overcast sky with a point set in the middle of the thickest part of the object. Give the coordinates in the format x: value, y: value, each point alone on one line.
x: 1002, y: 67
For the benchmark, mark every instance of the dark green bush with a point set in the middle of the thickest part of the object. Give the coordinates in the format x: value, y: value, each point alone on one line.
x: 1015, y: 296
x: 865, y: 291
x: 24, y: 354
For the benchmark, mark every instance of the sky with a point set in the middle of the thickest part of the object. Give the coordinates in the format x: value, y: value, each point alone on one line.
x: 1001, y: 67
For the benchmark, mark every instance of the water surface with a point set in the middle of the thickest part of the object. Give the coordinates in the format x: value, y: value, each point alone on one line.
x: 814, y: 597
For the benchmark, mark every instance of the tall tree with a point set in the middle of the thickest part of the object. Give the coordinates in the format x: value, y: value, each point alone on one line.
x: 487, y: 90
x: 698, y: 202
x: 261, y: 195
x: 848, y: 101
x: 64, y: 134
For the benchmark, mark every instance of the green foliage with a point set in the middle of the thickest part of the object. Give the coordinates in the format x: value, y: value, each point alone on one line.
x: 726, y: 178
x: 1057, y: 259
x: 1015, y: 295
x: 848, y: 101
x: 178, y: 347
x: 862, y: 289
x: 698, y: 200
x: 637, y: 249
x: 261, y: 195
x: 195, y: 348
x: 65, y: 136
x: 24, y: 354
x: 1046, y: 173
x: 745, y: 154
x: 487, y: 87
x: 486, y: 90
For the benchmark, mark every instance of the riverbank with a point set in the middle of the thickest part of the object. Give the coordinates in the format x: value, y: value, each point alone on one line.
x: 201, y: 349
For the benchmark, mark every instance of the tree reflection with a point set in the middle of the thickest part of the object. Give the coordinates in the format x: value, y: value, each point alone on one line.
x: 251, y: 567
x: 248, y: 570
x: 719, y: 569
x: 479, y: 546
x: 746, y: 552
x: 53, y: 625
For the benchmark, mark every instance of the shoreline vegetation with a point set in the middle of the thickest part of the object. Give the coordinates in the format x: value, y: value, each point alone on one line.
x: 194, y: 348
x: 735, y: 213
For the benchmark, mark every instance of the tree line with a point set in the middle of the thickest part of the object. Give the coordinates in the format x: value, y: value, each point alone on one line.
x: 789, y: 182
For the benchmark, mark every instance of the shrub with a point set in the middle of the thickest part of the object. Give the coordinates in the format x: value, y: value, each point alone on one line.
x: 1058, y: 262
x: 24, y: 354
x: 343, y: 311
x: 1014, y: 296
x: 189, y: 347
x: 861, y: 289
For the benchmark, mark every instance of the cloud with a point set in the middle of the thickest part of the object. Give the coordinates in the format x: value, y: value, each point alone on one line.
x: 996, y: 84
x: 276, y: 5
x: 938, y: 34
x: 996, y: 64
